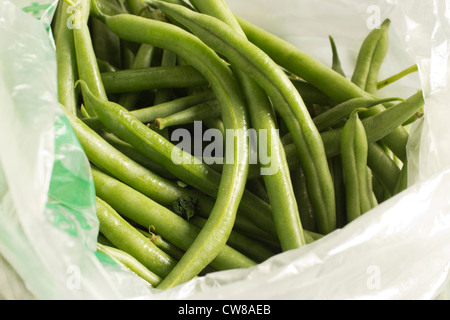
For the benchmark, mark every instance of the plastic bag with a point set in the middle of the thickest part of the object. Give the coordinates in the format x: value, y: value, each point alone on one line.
x: 400, y: 250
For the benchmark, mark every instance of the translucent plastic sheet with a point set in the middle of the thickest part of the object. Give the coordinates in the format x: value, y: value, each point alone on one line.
x: 400, y: 250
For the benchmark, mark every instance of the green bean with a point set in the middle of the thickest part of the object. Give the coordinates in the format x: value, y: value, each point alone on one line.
x: 212, y: 238
x: 205, y: 60
x: 402, y: 182
x: 278, y: 183
x: 126, y: 81
x: 328, y: 81
x: 131, y: 152
x: 142, y: 210
x: 105, y: 43
x: 196, y: 113
x: 252, y: 249
x: 384, y: 83
x: 163, y: 244
x: 128, y: 262
x: 336, y: 114
x: 66, y: 60
x: 383, y: 167
x: 370, y: 57
x: 150, y: 114
x: 310, y: 94
x: 273, y: 80
x: 337, y: 171
x: 129, y: 240
x: 369, y: 189
x: 381, y: 164
x: 143, y: 59
x: 354, y: 152
x: 163, y: 95
x: 380, y: 125
x: 88, y: 69
x: 336, y: 64
x: 154, y: 186
x: 306, y: 211
x: 105, y: 66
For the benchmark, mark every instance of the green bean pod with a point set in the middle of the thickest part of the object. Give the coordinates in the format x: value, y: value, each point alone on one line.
x: 143, y: 59
x: 150, y: 114
x: 370, y: 57
x: 130, y: 263
x: 379, y: 126
x: 88, y: 69
x: 163, y: 244
x: 253, y: 61
x: 354, y: 152
x: 336, y: 114
x: 310, y: 94
x: 209, y: 64
x: 337, y: 87
x: 197, y: 113
x: 277, y: 180
x: 163, y: 95
x: 384, y: 83
x: 145, y: 212
x: 336, y: 64
x: 144, y: 79
x: 230, y: 189
x: 129, y: 240
x: 65, y: 59
x: 251, y: 248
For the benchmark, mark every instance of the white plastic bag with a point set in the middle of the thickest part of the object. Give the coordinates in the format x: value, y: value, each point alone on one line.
x: 400, y: 250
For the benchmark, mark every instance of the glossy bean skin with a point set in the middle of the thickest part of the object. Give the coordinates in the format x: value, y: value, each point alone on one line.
x: 128, y: 239
x: 213, y: 236
x: 278, y: 183
x: 142, y: 210
x: 66, y: 60
x: 129, y: 262
x: 380, y: 125
x: 196, y: 113
x: 143, y: 79
x: 354, y: 150
x: 88, y: 69
x: 273, y: 80
x: 336, y: 114
x: 370, y: 57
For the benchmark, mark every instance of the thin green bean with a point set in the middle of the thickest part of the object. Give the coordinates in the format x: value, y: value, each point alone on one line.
x: 137, y: 80
x: 128, y: 239
x: 212, y: 238
x: 354, y: 150
x: 274, y: 81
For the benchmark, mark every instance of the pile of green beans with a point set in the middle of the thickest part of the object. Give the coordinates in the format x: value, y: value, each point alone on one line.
x: 131, y: 73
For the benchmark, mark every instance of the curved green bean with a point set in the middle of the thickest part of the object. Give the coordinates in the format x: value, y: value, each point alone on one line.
x: 88, y: 69
x: 197, y: 113
x: 333, y: 116
x: 278, y: 180
x: 336, y: 63
x: 66, y: 60
x: 380, y: 125
x: 130, y: 263
x: 212, y: 238
x: 354, y: 150
x: 370, y: 57
x: 274, y: 81
x: 129, y: 240
x: 397, y: 77
x: 145, y: 212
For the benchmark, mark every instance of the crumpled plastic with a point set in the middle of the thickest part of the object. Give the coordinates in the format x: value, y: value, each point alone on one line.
x: 400, y: 250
